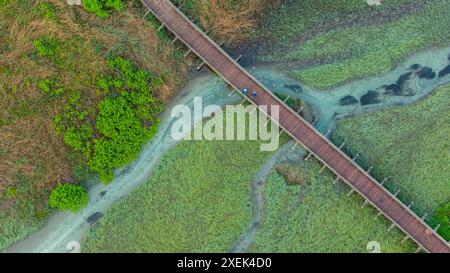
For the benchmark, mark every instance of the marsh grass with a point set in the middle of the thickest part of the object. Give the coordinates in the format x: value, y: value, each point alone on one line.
x: 358, y: 51
x: 319, y: 217
x: 198, y: 200
x: 408, y: 144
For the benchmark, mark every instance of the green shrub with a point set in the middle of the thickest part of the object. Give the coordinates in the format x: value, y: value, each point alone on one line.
x: 46, y: 46
x: 69, y: 197
x: 124, y: 134
x: 103, y: 8
x: 47, y: 10
x: 443, y: 217
x: 11, y: 192
x: 50, y: 87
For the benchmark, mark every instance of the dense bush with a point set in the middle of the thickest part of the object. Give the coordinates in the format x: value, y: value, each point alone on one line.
x: 68, y: 196
x: 103, y: 8
x: 112, y: 135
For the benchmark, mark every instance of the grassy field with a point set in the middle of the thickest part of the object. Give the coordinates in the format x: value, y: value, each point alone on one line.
x: 355, y: 52
x: 48, y: 53
x: 408, y: 144
x: 198, y: 200
x: 319, y: 217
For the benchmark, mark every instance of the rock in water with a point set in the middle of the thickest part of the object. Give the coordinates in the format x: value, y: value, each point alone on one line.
x: 348, y: 100
x: 74, y: 2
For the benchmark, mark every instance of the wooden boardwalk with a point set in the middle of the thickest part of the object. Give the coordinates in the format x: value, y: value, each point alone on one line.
x: 318, y: 145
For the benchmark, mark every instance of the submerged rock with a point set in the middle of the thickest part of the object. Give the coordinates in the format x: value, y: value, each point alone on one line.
x: 426, y: 73
x: 294, y: 87
x: 444, y: 72
x: 371, y: 97
x: 93, y: 218
x: 348, y: 100
x: 415, y: 66
x: 403, y: 78
x: 393, y: 89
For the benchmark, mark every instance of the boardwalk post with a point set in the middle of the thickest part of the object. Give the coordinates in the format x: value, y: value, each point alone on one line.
x: 239, y: 58
x: 300, y: 110
x: 161, y: 27
x: 322, y: 169
x: 327, y: 133
x: 405, y: 239
x: 355, y: 157
x: 308, y: 156
x: 294, y: 146
x: 384, y: 181
x: 200, y: 66
x: 187, y: 53
x: 365, y: 203
x: 280, y: 133
x: 391, y: 227
x: 336, y: 180
x: 378, y: 214
x: 342, y: 145
x: 437, y: 227
x: 418, y: 249
x: 145, y: 15
x: 232, y: 92
x: 350, y: 192
x: 368, y: 171
x: 286, y: 99
x: 175, y: 39
x: 424, y: 216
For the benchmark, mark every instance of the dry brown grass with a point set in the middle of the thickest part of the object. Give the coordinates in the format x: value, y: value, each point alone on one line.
x: 31, y: 148
x: 291, y: 174
x: 231, y: 22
